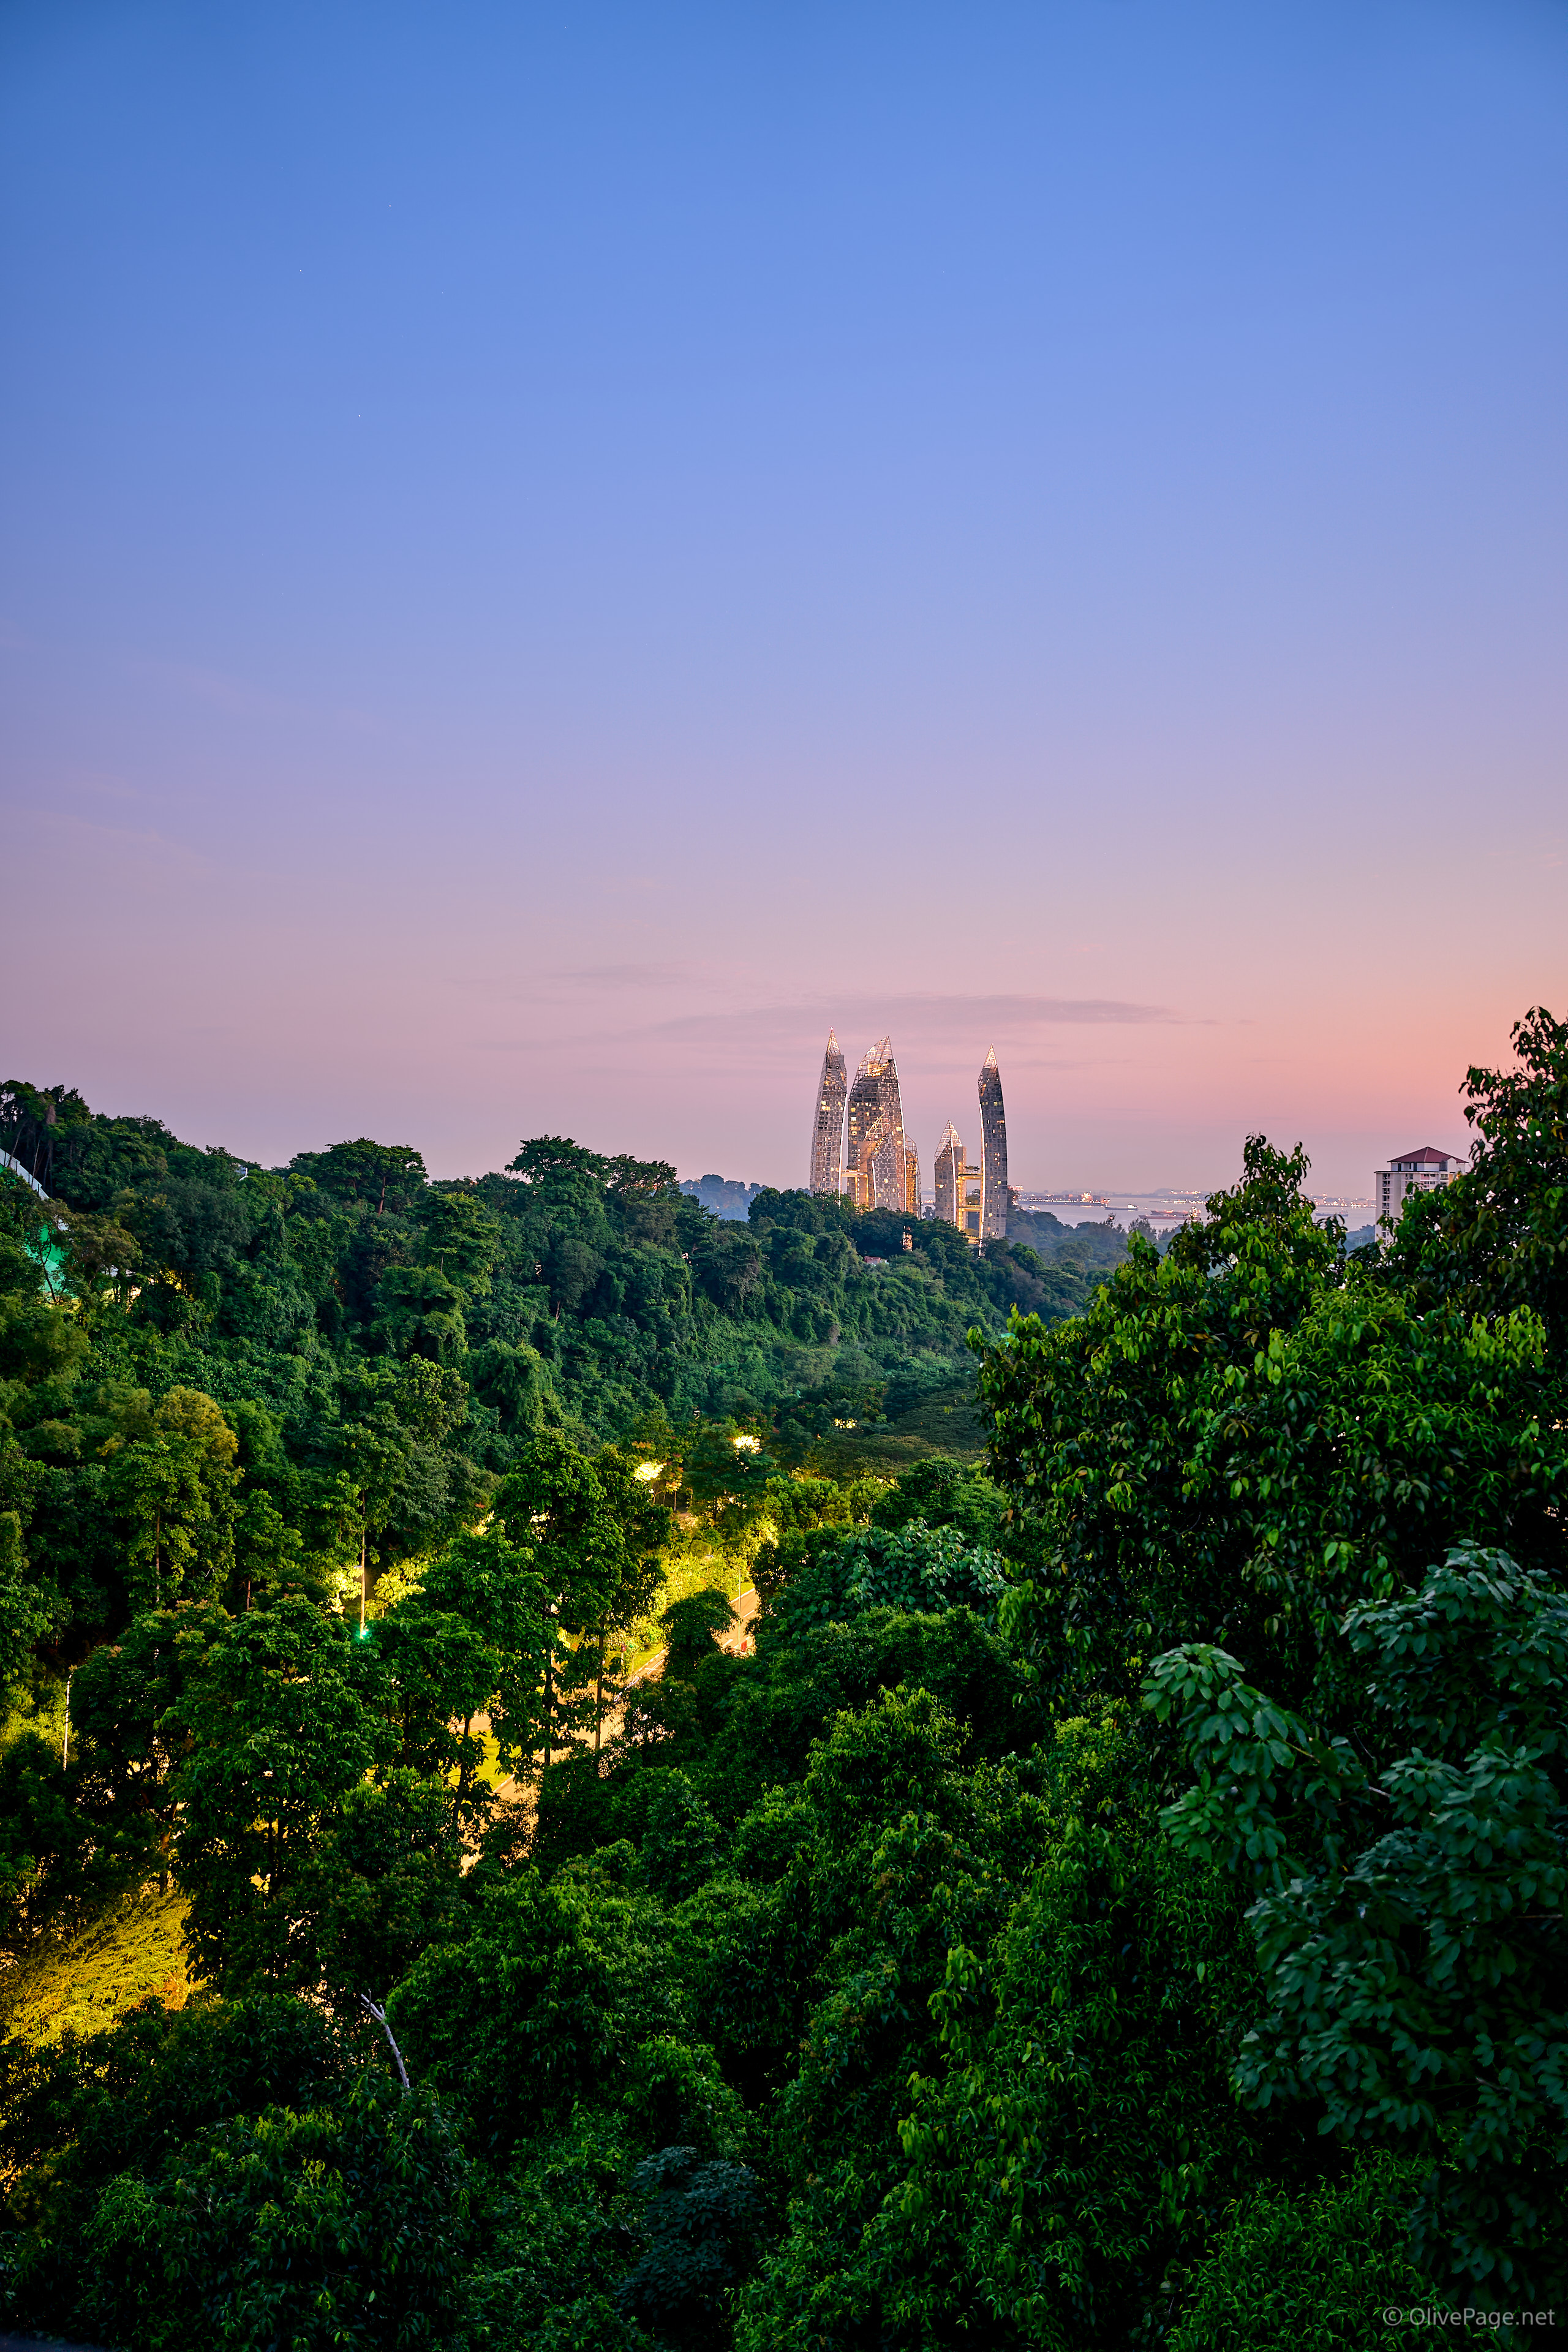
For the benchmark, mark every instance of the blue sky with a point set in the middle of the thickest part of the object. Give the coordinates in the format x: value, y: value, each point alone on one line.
x: 552, y: 552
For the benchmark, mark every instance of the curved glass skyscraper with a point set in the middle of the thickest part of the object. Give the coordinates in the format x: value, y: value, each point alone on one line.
x: 960, y: 1189
x: 827, y: 1129
x: 912, y: 1183
x: 880, y: 1170
x: 858, y: 1146
x: 974, y: 1199
x: 994, y: 1150
x: 947, y: 1172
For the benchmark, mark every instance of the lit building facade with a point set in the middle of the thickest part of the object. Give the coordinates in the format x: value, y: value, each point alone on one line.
x: 947, y: 1174
x: 971, y: 1217
x: 827, y: 1129
x: 975, y: 1198
x: 993, y: 1151
x: 880, y: 1167
x: 1427, y: 1171
x: 960, y: 1189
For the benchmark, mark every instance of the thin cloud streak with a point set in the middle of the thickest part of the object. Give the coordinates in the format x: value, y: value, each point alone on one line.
x: 635, y: 975
x: 791, y: 1035
x: 1004, y: 1013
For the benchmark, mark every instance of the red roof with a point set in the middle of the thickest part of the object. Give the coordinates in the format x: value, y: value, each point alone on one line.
x: 1427, y: 1157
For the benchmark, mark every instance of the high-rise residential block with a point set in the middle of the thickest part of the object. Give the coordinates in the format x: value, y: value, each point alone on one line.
x: 993, y: 1151
x: 975, y: 1198
x: 861, y: 1133
x: 827, y: 1129
x: 876, y: 1159
x: 971, y: 1219
x: 960, y: 1188
x: 947, y: 1174
x: 1427, y: 1171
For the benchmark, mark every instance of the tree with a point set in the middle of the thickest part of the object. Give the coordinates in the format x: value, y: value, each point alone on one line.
x: 1300, y: 2270
x: 394, y: 1457
x: 268, y: 1554
x: 808, y: 1420
x: 460, y: 1236
x: 592, y: 1531
x: 39, y: 1342
x: 1497, y: 1238
x: 339, y: 2227
x: 544, y: 2005
x: 890, y: 1809
x: 691, y: 1628
x: 1242, y: 1440
x: 329, y: 1789
x: 484, y: 1588
x: 728, y: 1470
x: 25, y: 1614
x: 549, y: 1158
x: 1072, y: 2127
x: 191, y: 1222
x: 386, y: 1178
x: 702, y: 2222
x: 129, y: 1718
x: 170, y: 1474
x: 383, y: 1880
x: 642, y: 1526
x: 82, y: 2113
x: 419, y: 1311
x: 62, y: 1855
x: 1408, y: 1875
x: 103, y: 1254
x: 282, y: 1730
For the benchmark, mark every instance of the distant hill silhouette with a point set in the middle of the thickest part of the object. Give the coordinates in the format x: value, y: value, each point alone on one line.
x: 725, y: 1196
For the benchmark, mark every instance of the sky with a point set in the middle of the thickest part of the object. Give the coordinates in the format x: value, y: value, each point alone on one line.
x: 550, y: 553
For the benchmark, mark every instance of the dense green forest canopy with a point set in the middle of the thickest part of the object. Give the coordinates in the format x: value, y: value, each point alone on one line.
x: 1115, y: 1895
x: 261, y: 1372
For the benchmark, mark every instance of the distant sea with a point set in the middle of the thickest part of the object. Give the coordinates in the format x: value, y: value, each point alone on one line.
x: 1162, y: 1209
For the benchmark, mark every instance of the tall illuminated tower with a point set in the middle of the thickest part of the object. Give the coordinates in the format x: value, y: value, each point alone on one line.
x: 878, y: 1172
x: 994, y: 1150
x: 948, y: 1175
x: 912, y: 1181
x: 827, y: 1129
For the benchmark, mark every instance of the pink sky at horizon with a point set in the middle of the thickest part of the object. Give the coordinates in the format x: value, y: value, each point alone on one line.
x: 548, y: 562
x: 263, y: 1027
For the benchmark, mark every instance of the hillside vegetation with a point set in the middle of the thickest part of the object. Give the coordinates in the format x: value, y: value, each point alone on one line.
x: 1118, y: 1899
x: 379, y: 1345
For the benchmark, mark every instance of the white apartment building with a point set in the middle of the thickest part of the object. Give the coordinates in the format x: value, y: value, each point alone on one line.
x: 1427, y: 1171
